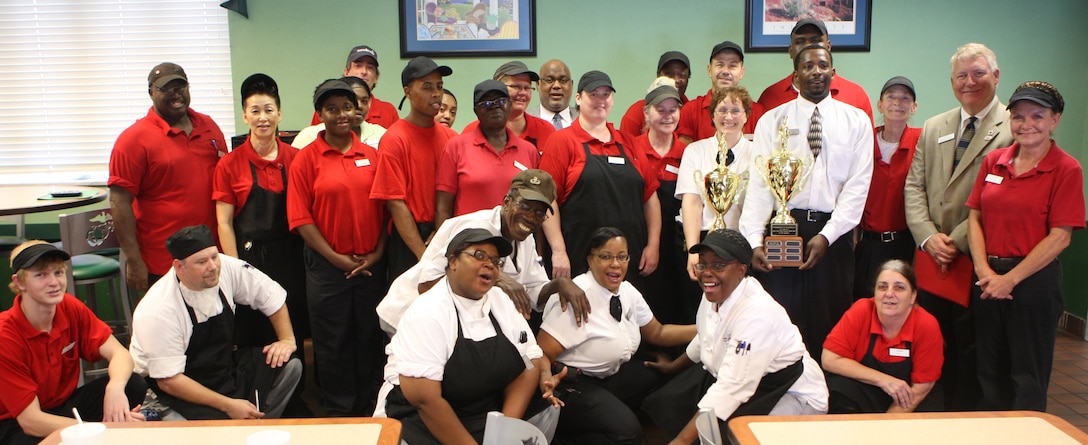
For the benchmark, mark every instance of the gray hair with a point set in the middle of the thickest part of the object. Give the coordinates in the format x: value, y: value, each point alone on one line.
x: 902, y: 268
x: 973, y: 50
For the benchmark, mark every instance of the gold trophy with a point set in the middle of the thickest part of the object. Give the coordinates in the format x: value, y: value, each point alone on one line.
x: 720, y: 186
x: 784, y: 174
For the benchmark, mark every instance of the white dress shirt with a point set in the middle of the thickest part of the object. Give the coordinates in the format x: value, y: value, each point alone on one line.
x: 564, y: 116
x: 748, y: 336
x: 840, y: 176
x: 702, y: 155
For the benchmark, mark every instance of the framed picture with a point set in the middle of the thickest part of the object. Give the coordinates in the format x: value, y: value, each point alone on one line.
x: 768, y: 22
x: 444, y: 28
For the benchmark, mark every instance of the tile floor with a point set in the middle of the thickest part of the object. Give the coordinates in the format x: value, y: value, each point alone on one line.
x: 1068, y: 394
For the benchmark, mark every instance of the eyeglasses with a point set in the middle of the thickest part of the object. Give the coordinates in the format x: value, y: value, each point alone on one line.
x: 173, y: 90
x: 524, y: 207
x: 716, y: 266
x: 520, y: 88
x: 500, y: 102
x: 728, y: 112
x: 607, y: 257
x: 550, y: 80
x: 483, y: 256
x: 615, y: 308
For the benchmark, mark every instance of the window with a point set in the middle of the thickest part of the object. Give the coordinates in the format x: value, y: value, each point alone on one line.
x: 74, y: 75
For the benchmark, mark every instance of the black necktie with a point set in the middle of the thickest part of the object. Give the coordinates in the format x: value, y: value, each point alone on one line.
x: 615, y: 308
x: 815, y: 134
x: 965, y: 139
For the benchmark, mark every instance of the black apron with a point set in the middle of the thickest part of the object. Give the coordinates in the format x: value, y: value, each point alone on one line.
x: 264, y: 240
x: 473, y: 381
x: 606, y: 194
x: 852, y: 396
x: 212, y: 361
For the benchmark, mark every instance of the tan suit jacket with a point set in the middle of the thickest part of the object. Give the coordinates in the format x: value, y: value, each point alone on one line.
x: 936, y: 193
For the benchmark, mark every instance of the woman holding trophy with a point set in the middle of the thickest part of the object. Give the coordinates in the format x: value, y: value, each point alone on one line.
x: 702, y: 210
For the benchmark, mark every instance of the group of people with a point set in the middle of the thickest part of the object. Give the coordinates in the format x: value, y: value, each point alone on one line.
x: 442, y: 275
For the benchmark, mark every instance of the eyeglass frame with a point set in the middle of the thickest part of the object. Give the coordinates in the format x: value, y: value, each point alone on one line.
x: 172, y: 90
x: 717, y: 266
x: 498, y: 262
x: 551, y: 80
x: 608, y: 258
x: 488, y: 104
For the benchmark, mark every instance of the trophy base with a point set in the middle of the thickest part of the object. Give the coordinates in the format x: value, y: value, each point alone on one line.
x: 784, y: 251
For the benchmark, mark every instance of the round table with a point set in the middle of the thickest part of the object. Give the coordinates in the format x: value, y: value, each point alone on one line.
x: 23, y: 199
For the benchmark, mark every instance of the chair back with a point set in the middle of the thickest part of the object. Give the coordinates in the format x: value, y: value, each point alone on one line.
x: 706, y: 423
x: 87, y: 232
x: 501, y: 430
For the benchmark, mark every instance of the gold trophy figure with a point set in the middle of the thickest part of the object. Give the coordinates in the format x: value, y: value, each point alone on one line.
x: 721, y: 186
x: 784, y: 174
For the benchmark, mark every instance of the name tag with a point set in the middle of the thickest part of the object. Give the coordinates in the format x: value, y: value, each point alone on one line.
x: 896, y: 352
x: 994, y: 178
x: 946, y: 138
x: 672, y: 169
x: 618, y: 160
x: 520, y: 166
x: 68, y: 348
x: 794, y: 132
x: 362, y: 162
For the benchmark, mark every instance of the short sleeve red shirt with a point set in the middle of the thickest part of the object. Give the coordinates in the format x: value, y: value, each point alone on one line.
x: 841, y: 89
x: 884, y: 208
x: 407, y: 163
x: 1019, y: 211
x: 46, y: 364
x: 850, y: 338
x: 332, y: 191
x: 697, y: 124
x: 634, y: 119
x: 233, y: 180
x: 564, y: 158
x: 170, y: 174
x: 665, y: 167
x: 537, y: 130
x: 476, y: 174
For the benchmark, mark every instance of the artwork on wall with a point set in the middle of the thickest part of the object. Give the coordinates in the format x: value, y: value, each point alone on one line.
x: 768, y: 22
x: 443, y: 28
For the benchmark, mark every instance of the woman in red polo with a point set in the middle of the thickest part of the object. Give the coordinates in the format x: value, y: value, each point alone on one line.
x: 1027, y: 200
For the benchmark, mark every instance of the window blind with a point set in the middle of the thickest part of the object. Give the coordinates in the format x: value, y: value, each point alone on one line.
x: 73, y: 75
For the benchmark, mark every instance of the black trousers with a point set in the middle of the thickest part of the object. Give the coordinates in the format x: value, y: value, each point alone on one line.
x: 871, y: 252
x: 349, y: 346
x: 398, y: 256
x: 602, y: 411
x: 87, y: 399
x: 959, y: 379
x: 1015, y: 341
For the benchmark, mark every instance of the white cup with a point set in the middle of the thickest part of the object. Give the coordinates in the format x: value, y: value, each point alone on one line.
x: 269, y: 437
x: 87, y: 433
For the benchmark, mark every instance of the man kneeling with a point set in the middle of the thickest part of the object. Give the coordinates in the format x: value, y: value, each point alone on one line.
x: 183, y: 335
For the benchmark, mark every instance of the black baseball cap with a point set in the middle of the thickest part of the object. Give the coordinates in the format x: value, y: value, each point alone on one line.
x: 670, y: 56
x: 488, y: 86
x: 899, y: 80
x: 362, y: 51
x: 329, y: 86
x: 592, y: 80
x: 727, y: 244
x: 420, y: 67
x: 819, y: 24
x: 29, y: 255
x: 1036, y: 91
x: 477, y: 236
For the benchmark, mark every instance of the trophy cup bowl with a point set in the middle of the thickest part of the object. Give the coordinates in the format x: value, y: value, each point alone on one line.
x: 721, y: 187
x: 784, y: 173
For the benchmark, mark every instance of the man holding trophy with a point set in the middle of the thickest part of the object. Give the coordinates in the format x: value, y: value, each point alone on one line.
x: 813, y: 163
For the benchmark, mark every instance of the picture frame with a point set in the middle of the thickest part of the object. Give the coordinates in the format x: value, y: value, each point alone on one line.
x: 768, y: 23
x: 467, y: 28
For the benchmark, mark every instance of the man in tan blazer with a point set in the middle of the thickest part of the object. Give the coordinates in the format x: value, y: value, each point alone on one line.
x: 942, y: 173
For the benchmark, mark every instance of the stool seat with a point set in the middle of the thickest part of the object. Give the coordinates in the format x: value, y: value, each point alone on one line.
x: 89, y: 267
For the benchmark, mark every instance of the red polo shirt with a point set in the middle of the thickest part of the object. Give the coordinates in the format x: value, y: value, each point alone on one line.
x: 697, y: 124
x: 884, y: 208
x: 46, y: 364
x: 564, y: 158
x: 850, y: 338
x: 381, y: 113
x: 1019, y: 211
x: 233, y: 180
x: 841, y: 89
x: 476, y: 174
x: 170, y: 173
x: 666, y: 167
x: 537, y: 130
x: 635, y: 118
x: 407, y: 162
x: 332, y: 191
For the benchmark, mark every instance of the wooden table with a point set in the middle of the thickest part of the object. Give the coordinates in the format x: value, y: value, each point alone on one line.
x: 23, y: 199
x: 317, y: 431
x: 959, y: 428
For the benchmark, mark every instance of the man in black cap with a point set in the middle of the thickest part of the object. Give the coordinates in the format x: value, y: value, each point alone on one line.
x: 407, y: 160
x: 812, y: 32
x: 183, y: 335
x: 363, y: 63
x: 161, y: 174
x: 671, y: 64
x: 725, y: 69
x: 43, y: 336
x: 519, y: 79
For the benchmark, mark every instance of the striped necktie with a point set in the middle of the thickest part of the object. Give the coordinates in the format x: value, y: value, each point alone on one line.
x: 815, y: 134
x: 965, y: 140
x: 557, y: 121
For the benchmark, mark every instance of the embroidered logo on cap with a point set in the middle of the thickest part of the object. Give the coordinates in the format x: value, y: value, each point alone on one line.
x: 534, y: 180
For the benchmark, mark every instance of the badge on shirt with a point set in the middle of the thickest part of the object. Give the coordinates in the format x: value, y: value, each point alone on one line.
x: 994, y: 178
x: 946, y: 138
x: 989, y: 135
x: 362, y: 162
x: 672, y: 169
x: 898, y: 352
x: 618, y: 160
x: 743, y: 347
x: 68, y: 348
x: 520, y: 166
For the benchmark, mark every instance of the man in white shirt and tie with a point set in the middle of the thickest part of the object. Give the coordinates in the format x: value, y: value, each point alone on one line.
x: 835, y: 140
x: 555, y: 87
